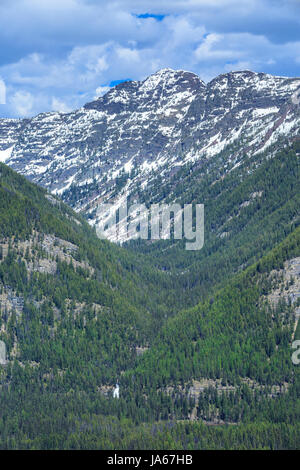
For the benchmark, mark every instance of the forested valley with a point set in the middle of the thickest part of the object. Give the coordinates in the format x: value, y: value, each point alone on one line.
x: 200, y: 343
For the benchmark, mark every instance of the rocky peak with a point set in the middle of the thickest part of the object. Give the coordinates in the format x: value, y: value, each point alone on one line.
x: 140, y: 129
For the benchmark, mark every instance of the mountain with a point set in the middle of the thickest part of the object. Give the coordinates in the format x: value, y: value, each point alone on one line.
x: 247, y: 212
x: 139, y: 131
x: 199, y: 342
x: 77, y: 317
x: 52, y: 263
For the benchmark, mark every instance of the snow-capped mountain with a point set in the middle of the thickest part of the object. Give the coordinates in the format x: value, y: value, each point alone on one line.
x: 138, y: 130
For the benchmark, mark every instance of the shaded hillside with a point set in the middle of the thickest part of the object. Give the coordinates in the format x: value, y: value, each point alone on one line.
x: 247, y: 212
x: 56, y: 275
x: 75, y: 318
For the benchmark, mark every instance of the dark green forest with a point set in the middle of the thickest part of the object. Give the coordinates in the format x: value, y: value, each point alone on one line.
x: 199, y: 342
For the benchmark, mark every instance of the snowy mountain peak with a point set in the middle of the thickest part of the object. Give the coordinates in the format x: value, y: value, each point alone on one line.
x: 169, y: 77
x: 140, y: 130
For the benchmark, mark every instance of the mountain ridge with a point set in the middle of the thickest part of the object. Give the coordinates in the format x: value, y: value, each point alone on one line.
x: 73, y: 322
x: 137, y: 130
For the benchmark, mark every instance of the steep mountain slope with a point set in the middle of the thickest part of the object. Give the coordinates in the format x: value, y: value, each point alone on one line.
x: 261, y: 299
x: 247, y: 211
x: 119, y: 143
x: 72, y: 318
x: 231, y: 354
x: 189, y: 336
x: 56, y: 274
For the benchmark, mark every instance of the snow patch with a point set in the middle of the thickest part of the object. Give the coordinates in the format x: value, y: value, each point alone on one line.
x: 6, y: 154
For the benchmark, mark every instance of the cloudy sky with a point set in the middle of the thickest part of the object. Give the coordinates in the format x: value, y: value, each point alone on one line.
x: 59, y: 54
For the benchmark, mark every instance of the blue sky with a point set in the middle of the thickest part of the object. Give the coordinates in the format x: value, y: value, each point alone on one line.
x: 57, y: 55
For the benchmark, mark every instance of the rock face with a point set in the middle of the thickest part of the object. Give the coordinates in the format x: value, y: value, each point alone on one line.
x: 139, y: 130
x: 2, y: 353
x: 288, y: 288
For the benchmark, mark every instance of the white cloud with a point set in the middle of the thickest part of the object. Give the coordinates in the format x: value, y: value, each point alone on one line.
x: 100, y: 91
x: 212, y: 48
x: 72, y: 49
x: 183, y: 31
x: 240, y: 65
x: 60, y: 106
x: 2, y: 92
x: 128, y: 55
x: 22, y: 102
